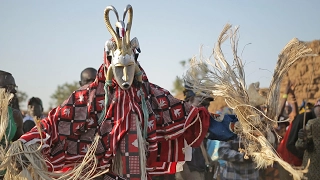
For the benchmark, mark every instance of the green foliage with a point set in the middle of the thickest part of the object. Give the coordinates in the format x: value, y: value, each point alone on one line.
x: 63, y: 92
x: 22, y: 97
x: 183, y: 63
x: 178, y: 85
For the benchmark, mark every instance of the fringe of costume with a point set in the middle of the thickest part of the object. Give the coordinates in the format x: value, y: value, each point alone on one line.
x: 27, y: 162
x: 228, y: 81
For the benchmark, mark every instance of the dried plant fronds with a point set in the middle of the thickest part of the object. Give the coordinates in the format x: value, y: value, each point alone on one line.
x: 5, y: 99
x: 228, y: 81
x: 27, y: 162
x: 293, y: 51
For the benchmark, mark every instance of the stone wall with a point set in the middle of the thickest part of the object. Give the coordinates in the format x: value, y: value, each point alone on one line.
x: 305, y: 74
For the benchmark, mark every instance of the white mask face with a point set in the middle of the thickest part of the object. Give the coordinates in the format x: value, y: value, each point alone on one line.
x: 123, y: 70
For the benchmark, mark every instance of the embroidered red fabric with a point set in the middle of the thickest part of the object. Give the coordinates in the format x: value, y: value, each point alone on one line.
x: 69, y: 129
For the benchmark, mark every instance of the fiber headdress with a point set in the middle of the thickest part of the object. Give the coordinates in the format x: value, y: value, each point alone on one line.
x: 228, y: 81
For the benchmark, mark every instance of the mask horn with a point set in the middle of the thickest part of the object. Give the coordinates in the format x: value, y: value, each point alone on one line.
x: 109, y: 74
x: 109, y: 26
x: 128, y: 10
x: 138, y: 73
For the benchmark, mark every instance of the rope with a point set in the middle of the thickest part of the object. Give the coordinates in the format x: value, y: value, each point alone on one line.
x: 184, y: 128
x: 105, y: 87
x: 145, y: 114
x: 142, y: 150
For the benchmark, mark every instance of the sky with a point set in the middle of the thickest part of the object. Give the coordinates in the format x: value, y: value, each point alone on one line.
x: 47, y: 43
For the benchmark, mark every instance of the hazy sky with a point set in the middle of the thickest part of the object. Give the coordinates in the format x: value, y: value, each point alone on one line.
x: 47, y: 43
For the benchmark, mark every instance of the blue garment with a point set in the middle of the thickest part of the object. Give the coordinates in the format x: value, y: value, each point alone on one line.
x: 220, y: 130
x: 212, y: 149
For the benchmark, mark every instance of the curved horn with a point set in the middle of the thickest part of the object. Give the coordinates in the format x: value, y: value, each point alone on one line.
x: 129, y: 24
x: 109, y: 26
x: 138, y: 73
x: 109, y: 74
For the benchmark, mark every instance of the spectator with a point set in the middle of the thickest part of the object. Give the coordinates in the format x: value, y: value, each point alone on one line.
x: 287, y: 114
x: 13, y: 131
x: 35, y: 110
x: 196, y: 168
x: 7, y: 82
x: 309, y: 142
x: 87, y: 76
x: 297, y: 124
x: 236, y: 166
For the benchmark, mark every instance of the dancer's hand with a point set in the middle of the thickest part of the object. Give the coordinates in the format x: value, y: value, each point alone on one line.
x: 301, y: 134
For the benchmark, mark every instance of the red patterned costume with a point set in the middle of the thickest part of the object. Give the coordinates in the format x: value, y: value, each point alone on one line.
x: 110, y: 112
x: 69, y: 129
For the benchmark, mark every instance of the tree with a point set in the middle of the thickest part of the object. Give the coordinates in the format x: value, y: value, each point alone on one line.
x: 22, y: 96
x: 178, y: 86
x: 63, y: 92
x: 200, y: 73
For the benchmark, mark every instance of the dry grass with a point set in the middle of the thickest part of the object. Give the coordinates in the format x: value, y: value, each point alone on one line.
x: 228, y: 82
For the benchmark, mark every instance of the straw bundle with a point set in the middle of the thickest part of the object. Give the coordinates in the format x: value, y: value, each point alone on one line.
x: 4, y: 116
x: 228, y: 81
x: 27, y: 162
